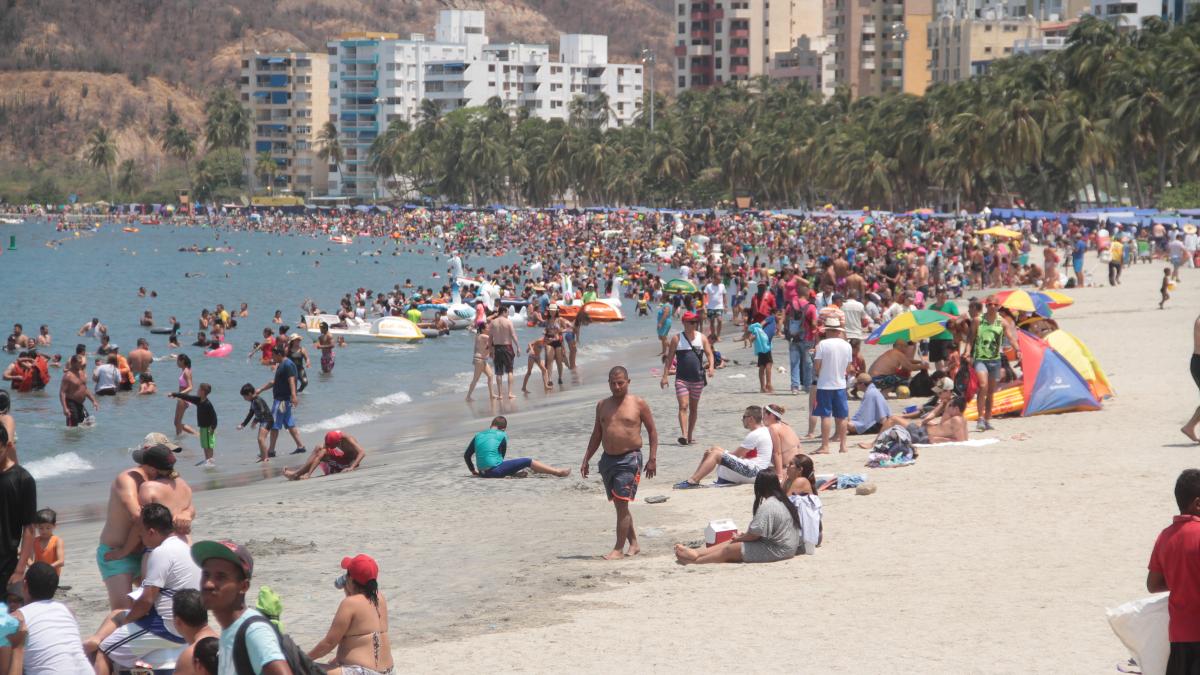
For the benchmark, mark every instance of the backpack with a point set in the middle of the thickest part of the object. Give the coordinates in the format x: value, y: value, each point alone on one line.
x: 296, y: 658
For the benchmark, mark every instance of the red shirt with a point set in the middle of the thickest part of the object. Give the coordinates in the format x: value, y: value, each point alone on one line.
x: 1176, y: 556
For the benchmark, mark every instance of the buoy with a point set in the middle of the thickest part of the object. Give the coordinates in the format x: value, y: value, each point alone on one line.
x: 12, y: 242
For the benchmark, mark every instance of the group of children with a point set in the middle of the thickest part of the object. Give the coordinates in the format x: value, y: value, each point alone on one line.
x: 258, y: 415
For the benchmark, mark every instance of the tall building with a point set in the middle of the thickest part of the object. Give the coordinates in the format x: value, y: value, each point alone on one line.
x: 880, y: 46
x: 525, y: 76
x: 810, y: 62
x: 1129, y: 14
x: 963, y: 48
x: 1050, y: 37
x: 734, y: 40
x: 286, y: 93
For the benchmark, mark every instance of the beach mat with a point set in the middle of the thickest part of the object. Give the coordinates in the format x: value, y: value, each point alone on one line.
x: 972, y: 443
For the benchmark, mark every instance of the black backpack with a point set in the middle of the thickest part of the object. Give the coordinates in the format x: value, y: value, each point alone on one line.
x: 296, y: 658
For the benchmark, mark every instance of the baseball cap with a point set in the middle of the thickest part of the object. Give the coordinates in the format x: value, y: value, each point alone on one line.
x: 155, y: 438
x: 361, y: 568
x: 942, y: 385
x: 333, y: 438
x: 691, y: 316
x: 225, y: 550
x: 158, y: 456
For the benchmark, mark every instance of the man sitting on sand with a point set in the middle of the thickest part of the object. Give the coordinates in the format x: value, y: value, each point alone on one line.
x: 489, y: 448
x: 947, y: 427
x: 872, y: 412
x: 741, y: 465
x: 891, y: 369
x: 339, y: 453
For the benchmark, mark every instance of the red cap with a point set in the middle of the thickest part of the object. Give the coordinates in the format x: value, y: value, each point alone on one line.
x: 333, y: 438
x: 691, y: 316
x: 361, y: 568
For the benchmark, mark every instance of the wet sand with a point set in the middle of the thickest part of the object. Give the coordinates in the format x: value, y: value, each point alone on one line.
x: 993, y: 559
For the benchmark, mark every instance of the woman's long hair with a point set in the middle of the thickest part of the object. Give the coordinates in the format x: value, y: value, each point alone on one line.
x: 805, y: 464
x: 183, y: 361
x: 766, y: 485
x: 369, y: 589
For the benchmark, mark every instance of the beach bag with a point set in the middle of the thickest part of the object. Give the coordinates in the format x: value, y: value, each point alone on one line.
x: 1141, y: 625
x: 296, y: 658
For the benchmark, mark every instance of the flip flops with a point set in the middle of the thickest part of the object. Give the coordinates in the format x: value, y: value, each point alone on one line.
x: 686, y: 485
x: 681, y: 440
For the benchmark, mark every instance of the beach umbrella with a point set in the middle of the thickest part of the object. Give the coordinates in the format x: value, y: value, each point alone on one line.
x: 1038, y: 302
x: 679, y: 286
x: 1001, y: 232
x: 912, y: 326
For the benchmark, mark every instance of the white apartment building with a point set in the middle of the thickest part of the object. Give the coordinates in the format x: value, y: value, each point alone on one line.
x: 1127, y: 14
x: 375, y: 78
x: 525, y: 76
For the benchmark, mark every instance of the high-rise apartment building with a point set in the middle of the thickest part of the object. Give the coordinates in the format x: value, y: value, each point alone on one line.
x: 525, y: 76
x: 287, y: 95
x: 963, y: 48
x: 734, y: 40
x: 880, y: 46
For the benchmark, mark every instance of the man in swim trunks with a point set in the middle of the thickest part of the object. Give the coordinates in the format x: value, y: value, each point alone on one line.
x: 124, y: 510
x: 504, y: 344
x: 340, y: 452
x: 73, y: 391
x: 1189, y: 429
x: 618, y: 427
x: 889, y: 370
x: 490, y: 447
x: 140, y: 358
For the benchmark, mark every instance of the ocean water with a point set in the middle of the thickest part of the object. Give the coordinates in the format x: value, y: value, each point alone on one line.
x: 98, y: 274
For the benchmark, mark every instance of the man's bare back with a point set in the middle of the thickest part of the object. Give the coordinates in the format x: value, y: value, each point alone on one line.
x: 176, y: 495
x: 139, y: 360
x: 123, y: 507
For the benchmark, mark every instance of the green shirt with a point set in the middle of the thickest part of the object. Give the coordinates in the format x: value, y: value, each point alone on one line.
x: 948, y: 308
x: 487, y: 449
x: 413, y: 315
x: 987, y: 339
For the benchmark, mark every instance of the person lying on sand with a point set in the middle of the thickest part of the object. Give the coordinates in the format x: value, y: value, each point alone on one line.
x: 949, y: 427
x: 339, y: 453
x: 773, y: 534
x: 489, y: 448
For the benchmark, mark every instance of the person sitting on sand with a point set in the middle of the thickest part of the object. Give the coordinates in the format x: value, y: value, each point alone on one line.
x: 943, y: 391
x: 360, y: 626
x: 489, y: 447
x: 754, y: 455
x: 891, y: 369
x: 872, y: 412
x: 773, y: 534
x: 339, y: 453
x: 801, y: 489
x: 945, y: 426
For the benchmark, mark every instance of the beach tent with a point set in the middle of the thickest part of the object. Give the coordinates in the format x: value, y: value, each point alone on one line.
x: 1081, y: 359
x: 1051, y: 384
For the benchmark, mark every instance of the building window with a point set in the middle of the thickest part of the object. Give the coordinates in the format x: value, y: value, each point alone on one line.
x: 682, y: 10
x: 682, y: 27
x: 682, y: 82
x: 987, y: 50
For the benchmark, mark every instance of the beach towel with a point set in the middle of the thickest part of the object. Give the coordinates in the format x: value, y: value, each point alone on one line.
x: 972, y: 443
x: 842, y: 481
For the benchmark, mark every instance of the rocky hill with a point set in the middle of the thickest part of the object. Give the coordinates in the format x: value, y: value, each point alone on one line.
x: 66, y: 66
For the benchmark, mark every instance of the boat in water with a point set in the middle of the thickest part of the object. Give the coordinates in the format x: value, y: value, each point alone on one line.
x: 597, y: 310
x: 383, y: 329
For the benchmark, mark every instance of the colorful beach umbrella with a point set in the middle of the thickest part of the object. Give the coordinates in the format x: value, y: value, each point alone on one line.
x: 913, y: 326
x: 1038, y: 302
x: 680, y: 286
x: 1001, y: 232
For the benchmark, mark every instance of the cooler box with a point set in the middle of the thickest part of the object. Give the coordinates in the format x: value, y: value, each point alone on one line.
x: 719, y: 531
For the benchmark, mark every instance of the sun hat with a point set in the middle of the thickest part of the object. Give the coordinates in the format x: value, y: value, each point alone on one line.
x: 224, y: 550
x: 294, y: 336
x: 833, y: 323
x: 155, y: 438
x: 361, y: 568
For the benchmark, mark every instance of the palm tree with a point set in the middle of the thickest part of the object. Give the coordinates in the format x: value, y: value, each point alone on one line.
x: 329, y: 147
x: 101, y: 153
x: 386, y: 155
x: 265, y: 169
x: 227, y: 121
x: 180, y: 143
x: 129, y: 179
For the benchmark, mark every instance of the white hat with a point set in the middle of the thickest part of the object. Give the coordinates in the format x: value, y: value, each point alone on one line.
x: 832, y: 323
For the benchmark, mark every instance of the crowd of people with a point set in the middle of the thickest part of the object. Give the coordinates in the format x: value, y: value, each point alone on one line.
x: 821, y: 282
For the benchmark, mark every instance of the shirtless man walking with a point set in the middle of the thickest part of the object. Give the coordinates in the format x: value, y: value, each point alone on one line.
x: 73, y: 390
x: 1189, y: 429
x: 619, y: 422
x: 140, y: 358
x: 124, y: 510
x: 504, y: 350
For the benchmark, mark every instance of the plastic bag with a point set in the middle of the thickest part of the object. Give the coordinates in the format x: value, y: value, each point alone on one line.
x: 1141, y: 625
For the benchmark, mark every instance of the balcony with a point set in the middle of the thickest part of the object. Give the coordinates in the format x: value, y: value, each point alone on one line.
x: 699, y: 50
x: 743, y: 33
x: 701, y: 34
x: 1039, y: 45
x: 739, y: 51
x: 893, y: 82
x: 868, y: 64
x: 701, y: 68
x: 893, y: 64
x: 869, y: 47
x: 739, y: 70
x: 681, y: 50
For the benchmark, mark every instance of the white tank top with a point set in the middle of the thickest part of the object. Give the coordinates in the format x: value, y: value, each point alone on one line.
x: 53, y: 646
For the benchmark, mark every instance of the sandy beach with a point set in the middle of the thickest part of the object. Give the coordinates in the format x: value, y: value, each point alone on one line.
x: 993, y: 559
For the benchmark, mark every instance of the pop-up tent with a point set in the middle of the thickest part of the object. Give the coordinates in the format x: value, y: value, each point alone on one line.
x: 1051, y: 383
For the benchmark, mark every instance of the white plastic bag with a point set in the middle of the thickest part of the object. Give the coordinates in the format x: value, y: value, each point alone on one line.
x: 1141, y: 625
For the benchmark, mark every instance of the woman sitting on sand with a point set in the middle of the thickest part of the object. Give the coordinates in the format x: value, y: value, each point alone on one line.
x: 801, y: 490
x: 773, y: 534
x: 360, y: 626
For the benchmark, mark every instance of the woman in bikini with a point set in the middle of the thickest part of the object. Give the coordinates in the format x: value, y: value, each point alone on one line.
x: 360, y: 627
x: 482, y: 360
x: 555, y: 354
x: 185, y: 387
x: 782, y: 436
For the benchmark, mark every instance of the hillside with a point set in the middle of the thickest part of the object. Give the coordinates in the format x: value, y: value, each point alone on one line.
x: 66, y: 66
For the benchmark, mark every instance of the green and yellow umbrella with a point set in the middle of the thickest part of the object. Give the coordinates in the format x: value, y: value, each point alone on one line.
x: 913, y: 326
x: 680, y: 286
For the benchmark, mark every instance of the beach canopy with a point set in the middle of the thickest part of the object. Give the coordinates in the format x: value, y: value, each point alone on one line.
x: 1000, y: 231
x: 1051, y: 384
x: 680, y: 286
x: 911, y: 326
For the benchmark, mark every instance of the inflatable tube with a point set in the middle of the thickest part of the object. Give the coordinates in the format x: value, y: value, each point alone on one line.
x: 513, y: 302
x: 224, y: 350
x: 432, y: 305
x: 430, y: 332
x: 1004, y: 402
x: 130, y: 229
x: 162, y: 331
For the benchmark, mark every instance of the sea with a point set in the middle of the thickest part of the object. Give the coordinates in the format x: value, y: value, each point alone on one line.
x: 63, y: 279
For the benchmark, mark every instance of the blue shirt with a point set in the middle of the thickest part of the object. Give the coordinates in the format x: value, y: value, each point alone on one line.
x: 872, y: 411
x: 262, y: 646
x: 281, y: 391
